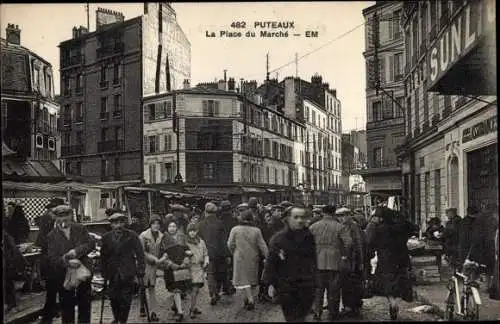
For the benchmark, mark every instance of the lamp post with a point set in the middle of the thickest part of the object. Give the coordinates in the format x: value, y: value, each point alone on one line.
x: 175, y: 120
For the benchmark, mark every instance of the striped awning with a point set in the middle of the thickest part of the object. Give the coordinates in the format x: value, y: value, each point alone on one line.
x: 52, y: 187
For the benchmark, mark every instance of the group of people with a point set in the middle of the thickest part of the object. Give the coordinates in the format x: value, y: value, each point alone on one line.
x: 284, y: 253
x: 471, y: 238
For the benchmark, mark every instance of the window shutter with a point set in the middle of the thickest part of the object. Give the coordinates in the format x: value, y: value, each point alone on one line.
x: 157, y: 143
x: 390, y: 24
x: 168, y: 110
x: 382, y: 70
x: 146, y: 144
x: 146, y: 112
x: 392, y: 73
x: 162, y: 172
x: 369, y: 34
x: 216, y: 109
x: 205, y: 108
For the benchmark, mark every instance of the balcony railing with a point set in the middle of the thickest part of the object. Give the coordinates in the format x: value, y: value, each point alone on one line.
x: 386, y: 163
x: 117, y: 113
x: 71, y: 150
x: 77, y: 59
x: 398, y: 77
x: 110, y: 146
x: 79, y: 119
x: 104, y: 115
x: 67, y: 121
x: 79, y: 90
x: 117, y: 48
x: 425, y: 126
x: 103, y: 84
x: 446, y: 111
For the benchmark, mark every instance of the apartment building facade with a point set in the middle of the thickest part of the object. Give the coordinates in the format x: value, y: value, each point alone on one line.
x: 385, y: 108
x: 229, y: 144
x: 450, y: 156
x: 29, y: 109
x: 104, y: 75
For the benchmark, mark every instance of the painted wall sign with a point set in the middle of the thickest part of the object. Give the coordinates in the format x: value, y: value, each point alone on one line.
x: 485, y: 127
x: 460, y: 36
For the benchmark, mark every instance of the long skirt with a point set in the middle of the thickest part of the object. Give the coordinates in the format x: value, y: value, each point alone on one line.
x: 394, y: 282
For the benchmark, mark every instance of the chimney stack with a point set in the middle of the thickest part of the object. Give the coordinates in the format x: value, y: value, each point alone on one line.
x: 186, y: 84
x: 230, y: 85
x: 13, y: 34
x: 222, y: 85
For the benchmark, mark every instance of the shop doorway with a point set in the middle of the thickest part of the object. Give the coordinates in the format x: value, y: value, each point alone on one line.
x: 482, y: 176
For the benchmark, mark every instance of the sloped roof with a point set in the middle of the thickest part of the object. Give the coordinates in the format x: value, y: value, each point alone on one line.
x: 42, y: 169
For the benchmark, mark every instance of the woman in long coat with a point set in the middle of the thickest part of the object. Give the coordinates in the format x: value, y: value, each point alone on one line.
x: 247, y: 246
x: 389, y: 239
x: 150, y: 240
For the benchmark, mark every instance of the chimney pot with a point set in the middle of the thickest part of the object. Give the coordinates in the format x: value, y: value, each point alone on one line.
x: 13, y: 34
x: 186, y: 84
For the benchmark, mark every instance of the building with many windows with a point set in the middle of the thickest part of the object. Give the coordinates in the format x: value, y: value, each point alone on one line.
x: 385, y: 115
x: 29, y: 109
x: 229, y: 143
x: 450, y: 156
x: 104, y: 75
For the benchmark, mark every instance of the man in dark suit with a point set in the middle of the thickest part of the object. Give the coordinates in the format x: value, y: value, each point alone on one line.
x: 69, y: 243
x: 122, y: 258
x: 46, y: 224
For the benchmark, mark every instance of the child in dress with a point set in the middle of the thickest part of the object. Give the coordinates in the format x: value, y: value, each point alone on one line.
x: 199, y: 264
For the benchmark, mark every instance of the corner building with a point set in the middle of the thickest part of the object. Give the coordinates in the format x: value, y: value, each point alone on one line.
x: 385, y: 118
x: 450, y: 156
x: 104, y: 76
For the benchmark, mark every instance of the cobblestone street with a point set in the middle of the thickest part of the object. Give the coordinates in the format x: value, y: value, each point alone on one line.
x: 230, y: 309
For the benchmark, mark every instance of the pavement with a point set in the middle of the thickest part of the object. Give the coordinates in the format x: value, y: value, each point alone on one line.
x: 229, y: 309
x: 435, y: 295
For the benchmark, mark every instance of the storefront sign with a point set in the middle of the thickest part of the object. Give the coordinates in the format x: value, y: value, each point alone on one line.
x: 460, y: 36
x: 478, y: 130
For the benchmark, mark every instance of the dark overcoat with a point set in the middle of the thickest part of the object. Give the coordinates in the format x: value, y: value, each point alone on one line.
x: 212, y: 231
x: 123, y: 259
x: 450, y: 236
x: 58, y: 245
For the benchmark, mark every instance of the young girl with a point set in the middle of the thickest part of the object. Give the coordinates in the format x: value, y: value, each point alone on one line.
x: 199, y: 263
x: 176, y: 263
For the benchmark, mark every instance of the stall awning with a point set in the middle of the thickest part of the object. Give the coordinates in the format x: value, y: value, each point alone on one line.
x: 55, y: 187
x: 253, y: 189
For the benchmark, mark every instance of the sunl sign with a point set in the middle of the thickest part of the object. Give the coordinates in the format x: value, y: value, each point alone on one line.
x: 460, y: 36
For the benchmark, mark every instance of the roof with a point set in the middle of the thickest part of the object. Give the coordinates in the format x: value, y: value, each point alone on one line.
x: 195, y: 90
x: 20, y: 49
x: 102, y: 29
x: 30, y: 169
x: 61, y: 186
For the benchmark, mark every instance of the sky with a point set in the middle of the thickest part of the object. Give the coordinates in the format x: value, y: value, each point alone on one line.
x: 338, y: 60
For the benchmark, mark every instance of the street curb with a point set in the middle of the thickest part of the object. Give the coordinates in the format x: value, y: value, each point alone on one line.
x: 436, y: 308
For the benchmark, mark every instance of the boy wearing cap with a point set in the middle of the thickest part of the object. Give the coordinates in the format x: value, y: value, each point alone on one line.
x: 122, y: 258
x: 69, y: 243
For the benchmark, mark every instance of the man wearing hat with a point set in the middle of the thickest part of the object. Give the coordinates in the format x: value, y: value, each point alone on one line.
x: 69, y: 243
x: 46, y: 224
x: 211, y: 230
x: 333, y: 243
x: 122, y: 260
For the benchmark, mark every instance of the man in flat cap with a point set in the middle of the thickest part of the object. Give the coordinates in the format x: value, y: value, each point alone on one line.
x: 69, y: 243
x: 211, y: 230
x: 122, y: 261
x: 46, y: 223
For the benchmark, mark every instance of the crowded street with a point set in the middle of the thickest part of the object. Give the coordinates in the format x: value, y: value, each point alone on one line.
x: 249, y: 162
x: 230, y: 310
